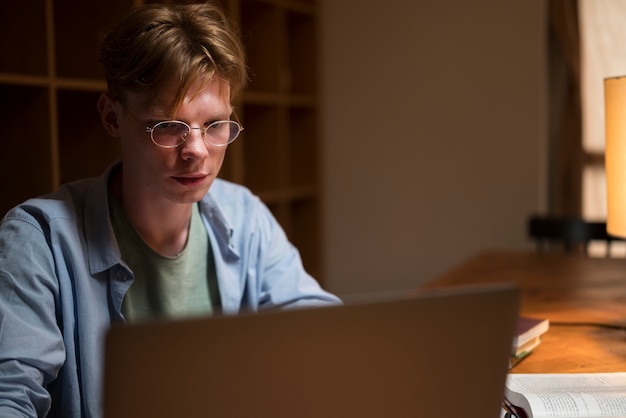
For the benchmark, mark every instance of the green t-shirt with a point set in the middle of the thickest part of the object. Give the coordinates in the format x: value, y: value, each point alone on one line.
x: 167, y: 287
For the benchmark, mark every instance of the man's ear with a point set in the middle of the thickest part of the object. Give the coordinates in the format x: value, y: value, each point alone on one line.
x: 109, y: 108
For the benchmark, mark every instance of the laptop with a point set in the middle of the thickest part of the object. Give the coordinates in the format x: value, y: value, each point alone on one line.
x: 438, y: 353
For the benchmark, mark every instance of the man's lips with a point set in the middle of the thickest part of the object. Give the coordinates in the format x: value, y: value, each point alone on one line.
x: 190, y: 179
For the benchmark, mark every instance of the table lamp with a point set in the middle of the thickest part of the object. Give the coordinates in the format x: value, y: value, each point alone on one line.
x: 615, y: 154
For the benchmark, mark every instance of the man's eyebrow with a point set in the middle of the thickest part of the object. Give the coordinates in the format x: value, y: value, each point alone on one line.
x: 224, y: 114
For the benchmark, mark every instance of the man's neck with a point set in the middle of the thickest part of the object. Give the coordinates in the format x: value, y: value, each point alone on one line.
x: 163, y: 225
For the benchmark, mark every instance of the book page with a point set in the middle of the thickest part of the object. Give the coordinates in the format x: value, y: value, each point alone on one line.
x: 569, y: 395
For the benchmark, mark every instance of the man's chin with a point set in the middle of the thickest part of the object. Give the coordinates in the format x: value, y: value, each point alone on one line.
x: 191, y: 195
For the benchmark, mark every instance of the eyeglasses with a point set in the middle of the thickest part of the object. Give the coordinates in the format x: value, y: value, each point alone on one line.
x: 172, y: 133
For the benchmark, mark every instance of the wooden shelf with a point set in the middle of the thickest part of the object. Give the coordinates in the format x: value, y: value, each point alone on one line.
x: 76, y: 33
x: 50, y: 79
x: 278, y: 98
x: 23, y: 32
x: 24, y: 80
x: 26, y: 168
x: 289, y: 195
x: 85, y: 149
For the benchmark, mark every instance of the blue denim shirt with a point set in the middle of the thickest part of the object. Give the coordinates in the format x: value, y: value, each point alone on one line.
x: 62, y: 282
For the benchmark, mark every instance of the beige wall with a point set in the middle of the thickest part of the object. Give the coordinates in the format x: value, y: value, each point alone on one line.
x: 434, y: 135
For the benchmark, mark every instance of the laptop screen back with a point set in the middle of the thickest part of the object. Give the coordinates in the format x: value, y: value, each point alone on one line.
x: 438, y: 354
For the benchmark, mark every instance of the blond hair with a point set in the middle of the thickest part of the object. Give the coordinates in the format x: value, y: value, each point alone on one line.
x: 160, y: 46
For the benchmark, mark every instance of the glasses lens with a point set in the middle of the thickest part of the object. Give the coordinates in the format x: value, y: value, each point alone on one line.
x: 222, y: 132
x: 169, y: 133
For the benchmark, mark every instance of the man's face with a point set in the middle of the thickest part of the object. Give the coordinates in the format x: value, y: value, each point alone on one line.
x: 182, y: 174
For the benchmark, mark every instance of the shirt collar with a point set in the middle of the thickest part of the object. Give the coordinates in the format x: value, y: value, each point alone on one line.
x: 221, y: 226
x: 102, y: 247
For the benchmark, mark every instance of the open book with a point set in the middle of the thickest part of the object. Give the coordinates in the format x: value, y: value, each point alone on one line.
x: 567, y: 395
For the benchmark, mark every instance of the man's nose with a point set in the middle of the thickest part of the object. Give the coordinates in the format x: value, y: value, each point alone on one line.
x: 195, y: 143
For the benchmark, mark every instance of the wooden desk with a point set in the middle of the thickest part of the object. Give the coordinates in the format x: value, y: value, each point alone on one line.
x: 582, y: 297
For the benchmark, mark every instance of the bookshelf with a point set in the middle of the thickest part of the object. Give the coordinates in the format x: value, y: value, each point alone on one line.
x: 50, y: 80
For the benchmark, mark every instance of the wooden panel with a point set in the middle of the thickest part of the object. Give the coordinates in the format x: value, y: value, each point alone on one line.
x: 302, y: 53
x: 26, y: 169
x: 78, y: 27
x: 260, y: 35
x: 304, y: 158
x: 24, y: 21
x: 262, y: 148
x: 85, y: 148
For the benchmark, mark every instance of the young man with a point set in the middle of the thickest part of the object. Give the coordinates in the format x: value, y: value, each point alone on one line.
x: 155, y: 236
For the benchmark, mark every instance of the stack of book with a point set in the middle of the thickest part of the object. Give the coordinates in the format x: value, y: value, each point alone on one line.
x: 527, y: 337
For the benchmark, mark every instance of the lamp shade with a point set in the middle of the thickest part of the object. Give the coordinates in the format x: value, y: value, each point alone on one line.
x: 615, y: 154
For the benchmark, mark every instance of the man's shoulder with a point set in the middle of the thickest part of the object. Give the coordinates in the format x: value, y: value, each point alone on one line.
x: 233, y: 202
x: 61, y: 203
x: 226, y: 191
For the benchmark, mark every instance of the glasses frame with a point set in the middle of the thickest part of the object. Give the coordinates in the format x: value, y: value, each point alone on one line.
x: 204, y: 129
x: 150, y: 130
